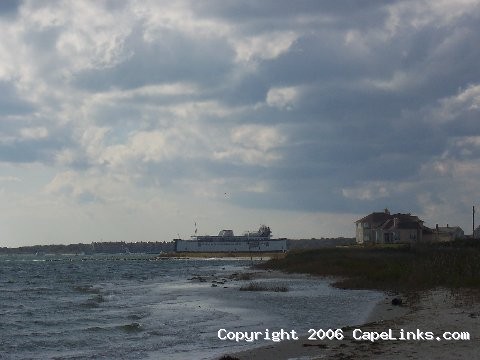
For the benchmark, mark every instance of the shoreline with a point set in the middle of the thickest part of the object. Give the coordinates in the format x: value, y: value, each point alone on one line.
x: 222, y: 255
x: 303, y: 348
x: 303, y: 287
x: 436, y: 311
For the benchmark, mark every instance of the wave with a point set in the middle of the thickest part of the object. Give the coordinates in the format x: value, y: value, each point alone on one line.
x: 132, y: 327
x: 87, y: 289
x: 94, y: 301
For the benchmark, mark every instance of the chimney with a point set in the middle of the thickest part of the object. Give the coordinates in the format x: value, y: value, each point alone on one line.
x: 387, y: 211
x: 436, y: 227
x: 447, y: 225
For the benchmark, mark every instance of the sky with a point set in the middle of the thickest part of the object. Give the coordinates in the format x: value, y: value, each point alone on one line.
x: 134, y: 120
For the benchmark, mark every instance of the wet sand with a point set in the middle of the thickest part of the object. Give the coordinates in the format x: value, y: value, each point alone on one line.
x: 436, y: 311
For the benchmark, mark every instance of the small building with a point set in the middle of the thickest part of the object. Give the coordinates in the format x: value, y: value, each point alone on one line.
x: 386, y: 228
x: 448, y: 233
x: 476, y: 233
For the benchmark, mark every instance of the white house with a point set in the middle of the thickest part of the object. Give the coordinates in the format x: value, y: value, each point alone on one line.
x: 385, y: 228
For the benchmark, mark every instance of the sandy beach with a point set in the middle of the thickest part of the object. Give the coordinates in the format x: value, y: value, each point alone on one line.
x: 436, y: 311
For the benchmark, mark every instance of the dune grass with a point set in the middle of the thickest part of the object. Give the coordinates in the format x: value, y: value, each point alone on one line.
x: 451, y: 265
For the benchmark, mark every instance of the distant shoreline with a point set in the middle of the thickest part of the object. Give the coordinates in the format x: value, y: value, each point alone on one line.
x: 151, y: 247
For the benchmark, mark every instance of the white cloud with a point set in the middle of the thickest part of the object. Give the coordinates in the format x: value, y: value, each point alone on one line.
x: 357, y: 42
x: 153, y: 146
x: 423, y: 13
x: 96, y: 43
x: 157, y: 90
x: 92, y: 139
x: 399, y: 81
x: 453, y: 168
x: 9, y: 59
x: 468, y: 141
x: 283, y: 97
x: 453, y: 107
x: 161, y: 16
x: 367, y: 191
x: 263, y: 47
x: 10, y: 179
x: 247, y: 156
x: 257, y: 136
x: 34, y: 133
x: 91, y: 186
x: 195, y: 110
x: 251, y: 144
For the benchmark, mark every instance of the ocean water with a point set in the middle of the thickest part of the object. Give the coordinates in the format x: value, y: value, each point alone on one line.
x: 135, y: 307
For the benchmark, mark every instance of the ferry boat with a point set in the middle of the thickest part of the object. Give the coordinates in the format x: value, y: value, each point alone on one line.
x: 226, y: 241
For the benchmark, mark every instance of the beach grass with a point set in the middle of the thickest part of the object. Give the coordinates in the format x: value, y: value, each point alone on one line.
x: 452, y: 265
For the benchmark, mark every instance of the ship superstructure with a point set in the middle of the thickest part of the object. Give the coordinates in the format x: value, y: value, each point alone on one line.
x: 226, y: 241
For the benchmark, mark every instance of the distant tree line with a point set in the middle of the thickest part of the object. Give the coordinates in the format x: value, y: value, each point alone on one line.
x: 121, y: 247
x: 94, y: 248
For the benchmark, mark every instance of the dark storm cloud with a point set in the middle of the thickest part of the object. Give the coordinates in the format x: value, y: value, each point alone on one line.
x: 10, y: 102
x: 25, y: 137
x: 272, y: 14
x: 374, y: 133
x: 249, y: 90
x: 9, y: 7
x: 311, y: 59
x: 31, y: 150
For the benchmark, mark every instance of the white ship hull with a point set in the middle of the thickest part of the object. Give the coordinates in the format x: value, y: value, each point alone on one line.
x: 246, y: 246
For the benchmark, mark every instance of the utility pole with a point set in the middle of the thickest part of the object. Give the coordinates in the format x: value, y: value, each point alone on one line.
x: 473, y: 222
